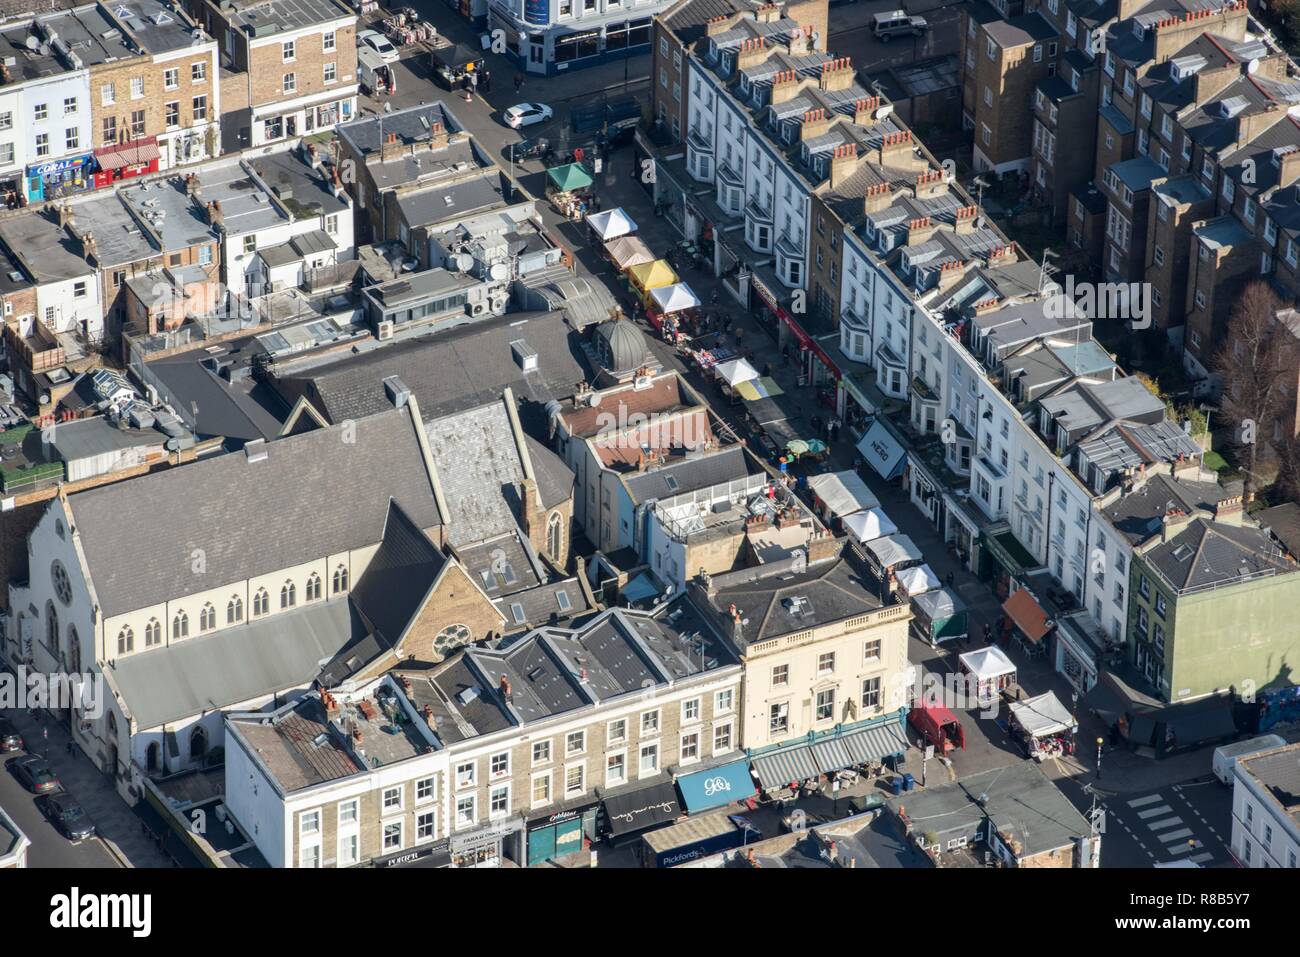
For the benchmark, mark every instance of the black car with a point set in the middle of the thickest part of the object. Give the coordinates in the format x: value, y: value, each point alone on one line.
x: 68, y: 816
x: 35, y: 775
x: 10, y: 739
x: 528, y: 149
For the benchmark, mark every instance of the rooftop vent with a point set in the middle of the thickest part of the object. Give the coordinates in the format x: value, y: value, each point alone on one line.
x: 1182, y: 552
x: 525, y: 355
x: 1232, y: 106
x: 397, y: 392
x: 255, y: 450
x: 467, y: 695
x: 798, y: 606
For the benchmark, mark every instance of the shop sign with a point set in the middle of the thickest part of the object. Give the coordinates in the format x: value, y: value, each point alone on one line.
x: 577, y: 37
x: 55, y: 167
x: 407, y: 857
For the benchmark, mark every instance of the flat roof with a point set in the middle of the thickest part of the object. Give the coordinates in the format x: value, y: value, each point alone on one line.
x: 259, y: 18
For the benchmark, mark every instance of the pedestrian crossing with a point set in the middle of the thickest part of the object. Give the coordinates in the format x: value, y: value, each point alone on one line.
x: 1169, y: 833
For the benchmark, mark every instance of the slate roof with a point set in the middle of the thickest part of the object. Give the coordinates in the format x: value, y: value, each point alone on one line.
x: 554, y: 477
x: 539, y: 604
x: 224, y: 668
x: 1208, y: 553
x: 1284, y: 522
x: 690, y: 474
x: 834, y: 591
x: 449, y: 371
x: 399, y: 577
x: 313, y: 495
x: 1137, y: 515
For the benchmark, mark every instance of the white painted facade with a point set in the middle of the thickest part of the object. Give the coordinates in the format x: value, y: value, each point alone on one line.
x: 1263, y: 833
x: 55, y: 117
x: 73, y: 305
x: 13, y: 142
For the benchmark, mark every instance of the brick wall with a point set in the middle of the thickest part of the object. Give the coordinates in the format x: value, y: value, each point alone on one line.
x: 268, y: 66
x: 455, y: 602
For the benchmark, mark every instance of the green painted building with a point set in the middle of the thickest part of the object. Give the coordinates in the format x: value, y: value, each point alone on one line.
x: 1213, y: 605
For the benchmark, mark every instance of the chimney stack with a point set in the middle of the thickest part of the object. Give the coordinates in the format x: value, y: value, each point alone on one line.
x: 919, y: 230
x: 964, y: 220
x: 785, y: 86
x: 895, y: 148
x: 715, y: 25
x: 844, y: 163
x: 89, y: 246
x: 815, y: 124
x: 837, y: 74
x: 1173, y: 522
x: 864, y: 110
x: 751, y: 53
x: 216, y: 218
x: 877, y: 197
x: 1002, y: 255
x: 1288, y: 166
x: 64, y: 212
x: 1229, y: 511
x: 930, y: 183
x: 505, y: 687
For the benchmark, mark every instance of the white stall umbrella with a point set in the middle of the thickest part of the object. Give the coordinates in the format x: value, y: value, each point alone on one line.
x: 612, y: 223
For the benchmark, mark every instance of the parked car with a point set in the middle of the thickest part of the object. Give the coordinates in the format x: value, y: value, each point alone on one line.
x: 527, y: 114
x: 528, y: 149
x: 897, y: 23
x: 10, y: 739
x: 376, y: 41
x: 65, y: 813
x: 35, y: 775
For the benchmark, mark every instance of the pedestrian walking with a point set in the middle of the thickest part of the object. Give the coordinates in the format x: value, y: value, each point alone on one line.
x: 487, y: 81
x: 473, y: 81
x: 519, y: 82
x: 69, y: 748
x: 949, y: 578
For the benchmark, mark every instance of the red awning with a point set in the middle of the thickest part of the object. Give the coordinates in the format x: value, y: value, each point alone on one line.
x: 1027, y: 614
x: 135, y: 153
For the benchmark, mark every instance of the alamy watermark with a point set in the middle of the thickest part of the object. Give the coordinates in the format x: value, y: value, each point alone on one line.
x: 1122, y: 301
x: 83, y: 693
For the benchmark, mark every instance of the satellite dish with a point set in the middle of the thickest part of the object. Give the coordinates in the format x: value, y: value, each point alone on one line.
x: 498, y: 272
x: 464, y: 261
x: 32, y: 43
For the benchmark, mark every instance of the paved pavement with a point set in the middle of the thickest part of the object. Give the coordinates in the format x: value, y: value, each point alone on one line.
x: 123, y: 841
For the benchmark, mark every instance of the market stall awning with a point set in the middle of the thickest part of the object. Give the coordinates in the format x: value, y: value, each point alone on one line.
x: 1043, y: 715
x: 882, y: 450
x: 716, y: 787
x: 612, y: 223
x: 893, y: 549
x: 763, y: 411
x: 675, y: 298
x: 628, y: 251
x: 764, y: 387
x: 1027, y: 614
x: 122, y: 155
x: 735, y: 371
x: 918, y: 580
x: 938, y: 603
x: 843, y: 493
x: 570, y: 177
x: 869, y: 524
x: 986, y: 663
x: 642, y: 808
x: 780, y: 768
x: 653, y: 275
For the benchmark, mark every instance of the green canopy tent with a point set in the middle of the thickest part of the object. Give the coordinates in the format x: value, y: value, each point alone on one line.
x: 568, y: 178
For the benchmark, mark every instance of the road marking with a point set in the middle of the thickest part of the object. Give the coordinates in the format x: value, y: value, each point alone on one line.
x: 1142, y: 802
x: 1163, y: 809
x: 1179, y: 849
x: 1202, y: 858
x: 1175, y: 835
x: 1167, y: 822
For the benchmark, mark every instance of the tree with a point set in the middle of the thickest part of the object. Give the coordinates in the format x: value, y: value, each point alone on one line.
x: 1258, y: 355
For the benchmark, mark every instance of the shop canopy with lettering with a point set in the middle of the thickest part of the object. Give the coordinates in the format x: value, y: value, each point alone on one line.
x: 843, y: 493
x: 642, y: 808
x: 716, y: 787
x: 883, y: 451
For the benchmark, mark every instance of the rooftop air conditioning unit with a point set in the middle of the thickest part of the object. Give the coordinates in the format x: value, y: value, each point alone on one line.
x: 386, y: 330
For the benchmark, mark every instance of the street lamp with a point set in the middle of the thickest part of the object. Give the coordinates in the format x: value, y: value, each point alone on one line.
x: 1100, y: 742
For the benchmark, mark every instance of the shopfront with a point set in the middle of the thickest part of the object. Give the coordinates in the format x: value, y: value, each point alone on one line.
x: 487, y: 846
x: 633, y: 810
x: 553, y: 836
x: 717, y: 787
x: 437, y: 854
x: 126, y: 160
x: 882, y: 451
x: 1076, y: 656
x: 815, y: 366
x: 924, y: 491
x: 961, y: 530
x: 59, y: 177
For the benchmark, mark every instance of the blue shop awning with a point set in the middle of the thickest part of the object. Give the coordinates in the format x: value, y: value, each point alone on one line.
x: 716, y: 786
x: 882, y: 450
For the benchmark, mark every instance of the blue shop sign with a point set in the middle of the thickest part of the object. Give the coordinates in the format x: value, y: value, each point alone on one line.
x: 716, y: 787
x: 59, y: 166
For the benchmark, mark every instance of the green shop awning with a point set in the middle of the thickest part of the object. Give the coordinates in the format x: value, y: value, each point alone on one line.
x: 568, y: 178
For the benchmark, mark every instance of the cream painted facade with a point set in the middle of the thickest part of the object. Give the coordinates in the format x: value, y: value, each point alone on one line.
x: 858, y: 666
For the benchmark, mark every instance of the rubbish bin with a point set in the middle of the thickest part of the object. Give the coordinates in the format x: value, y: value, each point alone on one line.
x: 909, y: 782
x: 896, y: 783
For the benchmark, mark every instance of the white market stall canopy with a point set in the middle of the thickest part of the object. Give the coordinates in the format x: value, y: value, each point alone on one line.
x: 987, y: 663
x: 1042, y: 715
x: 675, y: 298
x: 918, y: 580
x: 735, y: 371
x: 893, y: 549
x: 612, y: 223
x: 869, y: 525
x: 843, y: 492
x: 629, y: 251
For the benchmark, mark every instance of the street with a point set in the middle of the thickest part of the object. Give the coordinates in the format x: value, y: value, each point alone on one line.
x: 49, y: 847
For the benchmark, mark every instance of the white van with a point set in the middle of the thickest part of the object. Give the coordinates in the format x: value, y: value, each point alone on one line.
x: 1226, y: 756
x: 896, y: 23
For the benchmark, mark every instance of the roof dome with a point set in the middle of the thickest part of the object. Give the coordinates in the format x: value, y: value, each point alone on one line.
x: 621, y: 345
